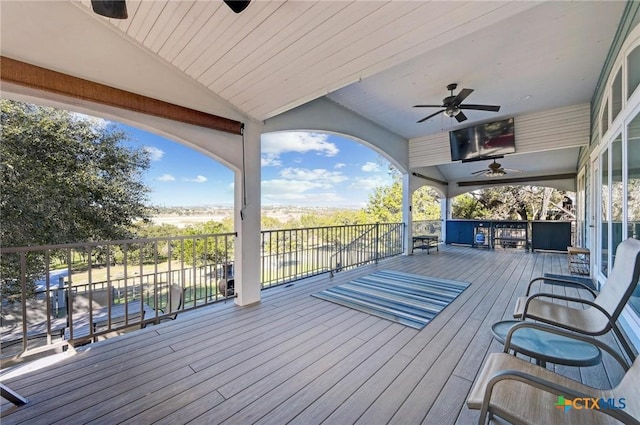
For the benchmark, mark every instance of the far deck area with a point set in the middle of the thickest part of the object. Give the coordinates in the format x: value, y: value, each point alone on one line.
x: 297, y: 359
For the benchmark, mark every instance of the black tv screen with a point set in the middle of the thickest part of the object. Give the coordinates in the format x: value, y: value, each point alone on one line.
x: 482, y: 141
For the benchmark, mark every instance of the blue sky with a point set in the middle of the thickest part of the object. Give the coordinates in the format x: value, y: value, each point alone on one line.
x: 298, y: 168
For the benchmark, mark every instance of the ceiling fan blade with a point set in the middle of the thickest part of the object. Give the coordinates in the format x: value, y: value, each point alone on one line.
x: 460, y: 116
x: 461, y: 96
x: 116, y: 9
x: 479, y: 172
x: 491, y: 108
x: 428, y: 106
x: 511, y: 170
x: 431, y: 116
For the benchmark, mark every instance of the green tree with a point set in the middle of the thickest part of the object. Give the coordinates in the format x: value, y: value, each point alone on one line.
x: 511, y: 203
x: 425, y: 204
x: 64, y: 179
x: 468, y: 206
x: 385, y: 203
x: 206, y: 249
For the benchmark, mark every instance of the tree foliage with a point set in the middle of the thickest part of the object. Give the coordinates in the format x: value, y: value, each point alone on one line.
x: 65, y: 179
x: 385, y: 203
x: 512, y: 203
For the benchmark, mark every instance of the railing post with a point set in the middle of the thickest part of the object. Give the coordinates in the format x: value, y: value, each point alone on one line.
x: 23, y: 285
x: 377, y: 235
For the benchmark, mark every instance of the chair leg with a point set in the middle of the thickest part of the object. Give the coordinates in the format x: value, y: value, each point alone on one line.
x: 8, y: 394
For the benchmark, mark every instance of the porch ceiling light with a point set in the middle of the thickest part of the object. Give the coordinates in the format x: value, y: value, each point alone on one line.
x: 236, y: 5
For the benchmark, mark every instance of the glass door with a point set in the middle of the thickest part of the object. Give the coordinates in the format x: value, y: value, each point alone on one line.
x: 580, y: 236
x: 602, y: 253
x: 594, y: 216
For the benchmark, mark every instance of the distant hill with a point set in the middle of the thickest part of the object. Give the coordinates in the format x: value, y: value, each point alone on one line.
x: 185, y: 216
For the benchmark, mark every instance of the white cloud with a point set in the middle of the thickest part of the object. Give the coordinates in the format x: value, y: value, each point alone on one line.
x: 166, y: 178
x: 317, y: 175
x: 155, y: 154
x: 270, y: 160
x: 370, y: 167
x: 302, y: 142
x: 369, y: 183
x: 339, y: 165
x: 198, y: 179
x: 285, y: 187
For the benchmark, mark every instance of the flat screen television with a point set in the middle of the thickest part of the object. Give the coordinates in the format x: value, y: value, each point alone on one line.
x: 482, y: 141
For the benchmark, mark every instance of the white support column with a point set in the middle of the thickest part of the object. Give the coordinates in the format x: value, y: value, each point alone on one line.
x: 247, y: 220
x: 407, y: 216
x: 445, y: 214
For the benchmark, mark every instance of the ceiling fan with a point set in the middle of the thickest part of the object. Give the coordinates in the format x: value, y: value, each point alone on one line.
x: 453, y: 105
x: 495, y: 169
x: 117, y: 9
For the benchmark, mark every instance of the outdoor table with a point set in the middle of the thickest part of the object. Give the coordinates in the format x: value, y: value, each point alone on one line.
x: 546, y: 346
x: 425, y: 242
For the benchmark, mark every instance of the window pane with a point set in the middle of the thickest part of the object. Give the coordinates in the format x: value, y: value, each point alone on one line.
x: 616, y: 196
x: 633, y: 71
x: 616, y: 95
x: 580, y: 212
x: 633, y: 191
x: 604, y: 122
x: 604, y: 217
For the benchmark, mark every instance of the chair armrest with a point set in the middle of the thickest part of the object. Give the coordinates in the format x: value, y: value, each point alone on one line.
x: 563, y: 281
x: 566, y: 333
x: 565, y: 298
x: 544, y: 385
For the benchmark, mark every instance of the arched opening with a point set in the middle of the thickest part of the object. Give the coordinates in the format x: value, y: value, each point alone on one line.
x: 87, y: 224
x: 329, y: 203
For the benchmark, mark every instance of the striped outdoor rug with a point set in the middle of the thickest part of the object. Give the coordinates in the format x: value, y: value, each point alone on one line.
x: 409, y: 299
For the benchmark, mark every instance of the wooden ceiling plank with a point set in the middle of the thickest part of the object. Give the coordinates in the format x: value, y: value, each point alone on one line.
x: 279, y: 66
x: 238, y: 49
x: 227, y: 41
x: 219, y: 22
x: 166, y: 24
x: 320, y: 11
x: 138, y: 19
x: 149, y: 21
x: 35, y: 77
x: 280, y: 27
x: 193, y: 22
x: 287, y: 55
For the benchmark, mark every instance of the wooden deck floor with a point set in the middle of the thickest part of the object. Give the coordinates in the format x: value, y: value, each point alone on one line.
x: 297, y: 359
